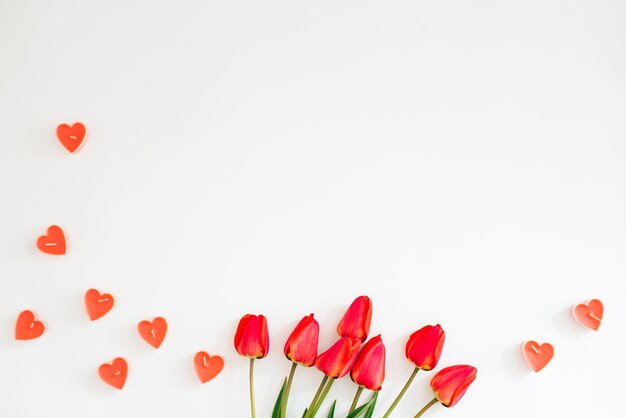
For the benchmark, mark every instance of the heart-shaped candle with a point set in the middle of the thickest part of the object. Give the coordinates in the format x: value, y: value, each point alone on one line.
x: 537, y: 355
x: 207, y: 367
x: 114, y: 373
x: 153, y: 332
x: 53, y: 242
x: 72, y: 137
x: 98, y: 304
x: 589, y: 314
x: 28, y: 327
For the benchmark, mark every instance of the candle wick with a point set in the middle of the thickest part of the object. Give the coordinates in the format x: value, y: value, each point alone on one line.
x: 593, y: 316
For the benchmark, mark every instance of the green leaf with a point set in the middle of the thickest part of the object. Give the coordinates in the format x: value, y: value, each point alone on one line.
x: 331, y: 414
x: 279, y: 401
x: 305, y: 411
x: 367, y: 408
x: 358, y: 412
x: 370, y: 409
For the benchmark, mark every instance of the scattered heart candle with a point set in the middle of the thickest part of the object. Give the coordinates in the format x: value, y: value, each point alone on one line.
x: 72, y: 137
x: 153, y: 332
x: 589, y: 314
x: 53, y: 242
x: 207, y: 367
x: 97, y: 304
x: 114, y: 373
x: 28, y: 327
x: 537, y: 355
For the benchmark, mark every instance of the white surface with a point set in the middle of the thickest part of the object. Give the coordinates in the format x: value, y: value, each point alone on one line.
x: 460, y: 162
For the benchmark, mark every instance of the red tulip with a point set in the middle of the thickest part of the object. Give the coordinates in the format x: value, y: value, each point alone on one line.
x: 356, y: 321
x: 252, y: 339
x: 451, y: 383
x: 425, y: 345
x: 301, y: 346
x: 339, y: 358
x: 369, y: 368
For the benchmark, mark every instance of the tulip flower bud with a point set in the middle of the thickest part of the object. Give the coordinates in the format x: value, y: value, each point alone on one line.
x: 451, y: 383
x: 369, y: 368
x: 252, y: 339
x: 425, y: 345
x: 339, y: 358
x: 301, y: 346
x: 356, y: 321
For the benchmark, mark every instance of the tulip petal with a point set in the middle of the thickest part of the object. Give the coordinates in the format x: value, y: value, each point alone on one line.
x: 339, y: 358
x: 357, y: 319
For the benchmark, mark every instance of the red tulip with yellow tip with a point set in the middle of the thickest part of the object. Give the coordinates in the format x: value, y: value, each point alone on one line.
x: 449, y: 386
x: 252, y: 341
x: 451, y: 383
x: 301, y: 346
x: 369, y: 368
x: 425, y: 345
x: 423, y: 349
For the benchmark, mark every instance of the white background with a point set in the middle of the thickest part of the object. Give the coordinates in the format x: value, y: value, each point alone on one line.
x: 460, y: 162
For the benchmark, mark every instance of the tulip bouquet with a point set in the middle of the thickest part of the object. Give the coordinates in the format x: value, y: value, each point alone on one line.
x: 351, y: 353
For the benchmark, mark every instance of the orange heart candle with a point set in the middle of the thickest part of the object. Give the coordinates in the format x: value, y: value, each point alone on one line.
x: 207, y: 367
x: 28, y: 327
x: 589, y: 314
x: 98, y: 304
x: 537, y: 355
x: 153, y: 332
x: 53, y: 242
x: 114, y: 373
x: 72, y: 137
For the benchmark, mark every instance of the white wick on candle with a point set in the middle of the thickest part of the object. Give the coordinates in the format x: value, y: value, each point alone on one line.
x: 592, y: 315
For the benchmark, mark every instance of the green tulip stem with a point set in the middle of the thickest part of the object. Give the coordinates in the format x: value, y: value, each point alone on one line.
x: 316, y: 397
x: 252, y: 407
x: 320, y: 401
x: 283, y: 407
x: 425, y: 408
x: 356, y: 399
x: 401, y: 394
